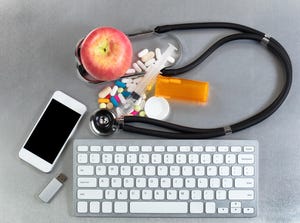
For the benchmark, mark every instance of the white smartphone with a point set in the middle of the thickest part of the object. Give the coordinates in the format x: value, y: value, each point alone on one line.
x: 50, y: 134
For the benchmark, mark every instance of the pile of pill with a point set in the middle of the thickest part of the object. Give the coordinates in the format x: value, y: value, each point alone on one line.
x: 112, y: 97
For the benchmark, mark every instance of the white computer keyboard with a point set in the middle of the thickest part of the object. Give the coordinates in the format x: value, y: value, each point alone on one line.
x: 165, y: 178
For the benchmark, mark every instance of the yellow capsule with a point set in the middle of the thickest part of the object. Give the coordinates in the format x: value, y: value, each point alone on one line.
x: 103, y: 100
x: 120, y: 90
x: 137, y: 108
x: 142, y: 114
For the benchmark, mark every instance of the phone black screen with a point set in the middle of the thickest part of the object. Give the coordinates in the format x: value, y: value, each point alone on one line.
x: 52, y: 131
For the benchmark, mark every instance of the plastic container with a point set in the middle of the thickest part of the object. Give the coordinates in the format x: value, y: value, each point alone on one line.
x: 181, y: 89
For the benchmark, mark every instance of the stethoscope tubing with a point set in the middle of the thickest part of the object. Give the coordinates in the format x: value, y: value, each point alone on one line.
x: 183, y: 132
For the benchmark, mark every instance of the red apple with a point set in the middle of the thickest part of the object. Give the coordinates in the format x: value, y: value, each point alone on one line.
x: 106, y: 53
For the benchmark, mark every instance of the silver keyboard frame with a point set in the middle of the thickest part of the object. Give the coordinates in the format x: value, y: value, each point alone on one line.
x: 154, y: 142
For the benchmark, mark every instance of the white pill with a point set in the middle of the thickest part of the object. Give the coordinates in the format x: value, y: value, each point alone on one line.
x: 148, y: 56
x: 171, y: 59
x: 143, y: 53
x: 122, y: 99
x: 141, y: 65
x: 114, y: 90
x: 150, y: 62
x: 158, y: 53
x: 125, y: 80
x: 104, y: 92
x: 136, y: 67
x: 157, y: 108
x: 130, y: 71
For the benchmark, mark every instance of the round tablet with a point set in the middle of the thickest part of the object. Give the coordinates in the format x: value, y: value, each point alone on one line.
x: 157, y: 108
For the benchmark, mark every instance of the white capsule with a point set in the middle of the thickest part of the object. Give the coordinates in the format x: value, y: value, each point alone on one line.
x: 148, y: 56
x: 137, y: 80
x: 141, y: 65
x: 114, y: 90
x: 142, y: 104
x: 144, y: 96
x: 143, y: 53
x: 138, y: 101
x: 104, y: 92
x: 158, y: 53
x: 130, y: 71
x: 171, y: 59
x: 150, y: 62
x: 136, y: 67
x: 122, y: 99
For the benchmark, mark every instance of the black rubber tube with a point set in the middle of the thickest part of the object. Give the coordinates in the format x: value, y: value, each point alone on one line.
x: 195, y: 133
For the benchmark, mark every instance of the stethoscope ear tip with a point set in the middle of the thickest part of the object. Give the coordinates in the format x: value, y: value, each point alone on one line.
x: 103, y: 122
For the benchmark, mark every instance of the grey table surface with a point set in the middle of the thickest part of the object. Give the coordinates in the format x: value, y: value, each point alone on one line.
x: 36, y: 58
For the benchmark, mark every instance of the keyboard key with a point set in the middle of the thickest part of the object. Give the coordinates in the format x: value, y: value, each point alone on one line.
x: 121, y: 148
x: 110, y: 194
x: 153, y: 182
x: 119, y: 158
x: 82, y: 148
x: 169, y: 158
x: 159, y: 148
x: 150, y: 170
x: 113, y: 170
x: 241, y: 194
x: 82, y: 158
x: 221, y: 195
x: 159, y: 194
x: 227, y: 182
x: 181, y: 158
x: 210, y: 207
x: 222, y: 210
x: 146, y: 194
x: 140, y: 182
x: 94, y: 158
x: 244, y: 182
x: 85, y: 170
x: 94, y: 206
x: 125, y: 170
x: 248, y: 149
x: 184, y: 148
x: 90, y: 194
x: 230, y: 158
x: 82, y: 207
x: 158, y: 207
x: 248, y: 170
x: 121, y: 207
x: 104, y: 182
x: 131, y: 158
x: 208, y: 194
x: 236, y: 171
x: 107, y: 158
x: 144, y: 158
x: 235, y: 210
x: 116, y: 182
x: 101, y: 170
x: 177, y: 182
x: 196, y: 207
x: 202, y: 182
x: 162, y: 170
x: 190, y: 182
x: 224, y: 170
x: 214, y: 183
x: 133, y: 148
x: 122, y: 194
x: 128, y: 182
x: 211, y: 171
x: 184, y: 195
x: 193, y: 158
x: 210, y: 149
x: 134, y: 194
x: 171, y: 194
x: 108, y: 148
x: 174, y: 170
x: 172, y: 148
x: 146, y: 148
x: 156, y: 158
x: 196, y: 195
x: 248, y: 210
x: 223, y: 149
x: 245, y: 158
x: 197, y: 149
x: 205, y: 158
x: 165, y: 182
x: 137, y: 170
x: 107, y: 207
x: 199, y: 170
x: 218, y: 158
x: 95, y: 148
x: 236, y: 149
x: 187, y: 170
x: 86, y: 182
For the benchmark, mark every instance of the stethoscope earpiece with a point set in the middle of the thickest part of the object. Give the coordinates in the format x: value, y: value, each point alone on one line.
x: 103, y: 122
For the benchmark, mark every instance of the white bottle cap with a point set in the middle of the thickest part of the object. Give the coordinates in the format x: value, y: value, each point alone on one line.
x: 157, y: 108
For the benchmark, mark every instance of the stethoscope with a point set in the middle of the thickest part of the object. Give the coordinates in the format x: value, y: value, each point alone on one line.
x: 104, y: 122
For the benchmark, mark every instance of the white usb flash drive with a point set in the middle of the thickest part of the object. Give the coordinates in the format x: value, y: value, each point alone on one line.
x: 52, y: 188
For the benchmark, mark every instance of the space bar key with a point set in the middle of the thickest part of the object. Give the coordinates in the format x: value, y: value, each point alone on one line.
x: 158, y: 207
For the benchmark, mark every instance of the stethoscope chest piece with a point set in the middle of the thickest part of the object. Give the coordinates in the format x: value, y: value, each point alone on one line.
x: 103, y: 122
